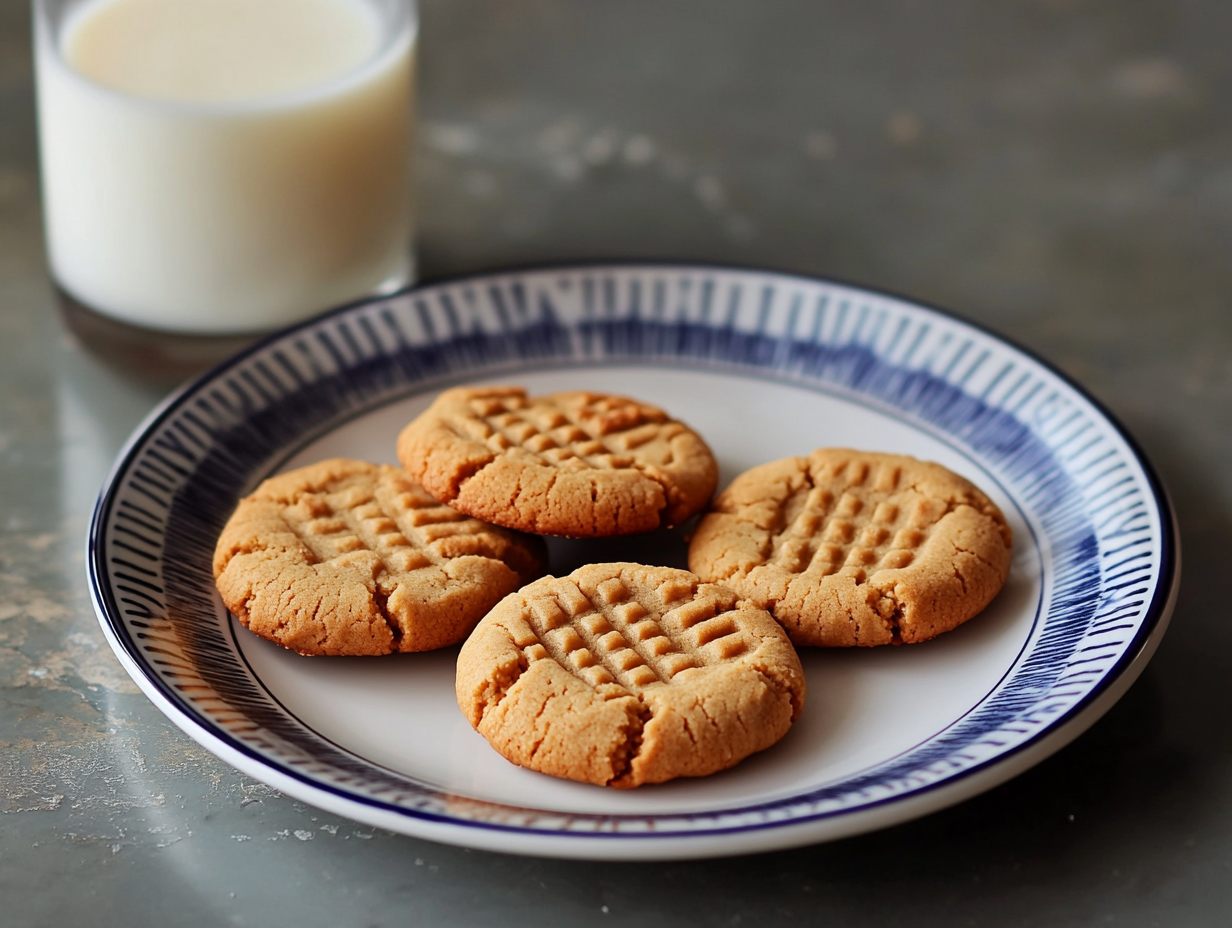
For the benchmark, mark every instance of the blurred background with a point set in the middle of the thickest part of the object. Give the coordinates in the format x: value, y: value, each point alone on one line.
x: 1057, y: 170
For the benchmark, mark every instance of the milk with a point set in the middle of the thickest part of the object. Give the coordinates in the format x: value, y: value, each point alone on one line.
x: 215, y: 166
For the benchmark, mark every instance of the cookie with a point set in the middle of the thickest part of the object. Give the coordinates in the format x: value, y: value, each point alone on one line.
x: 853, y: 548
x: 345, y: 557
x: 583, y: 465
x: 621, y: 675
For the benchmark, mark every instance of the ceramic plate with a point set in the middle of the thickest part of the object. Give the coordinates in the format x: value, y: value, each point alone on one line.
x: 763, y: 365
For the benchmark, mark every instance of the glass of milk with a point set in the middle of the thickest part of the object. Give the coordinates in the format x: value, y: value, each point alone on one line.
x: 221, y: 167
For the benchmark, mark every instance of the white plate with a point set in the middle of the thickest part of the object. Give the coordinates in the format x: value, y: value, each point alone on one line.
x: 763, y: 365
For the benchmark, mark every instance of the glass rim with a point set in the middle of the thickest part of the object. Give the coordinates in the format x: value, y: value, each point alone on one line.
x: 48, y: 48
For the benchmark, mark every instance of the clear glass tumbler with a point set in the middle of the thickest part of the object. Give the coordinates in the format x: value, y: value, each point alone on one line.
x: 223, y: 167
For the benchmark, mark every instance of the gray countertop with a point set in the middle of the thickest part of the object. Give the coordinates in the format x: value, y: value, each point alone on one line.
x: 1058, y: 170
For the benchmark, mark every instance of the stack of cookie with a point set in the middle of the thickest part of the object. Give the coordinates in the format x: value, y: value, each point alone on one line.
x: 619, y: 674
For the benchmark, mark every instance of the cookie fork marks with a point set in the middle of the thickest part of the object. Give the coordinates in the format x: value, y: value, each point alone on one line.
x: 863, y: 527
x: 344, y: 557
x: 855, y: 548
x: 628, y: 675
x: 576, y: 464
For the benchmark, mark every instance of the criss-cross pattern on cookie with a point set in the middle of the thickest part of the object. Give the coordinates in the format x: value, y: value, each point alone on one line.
x: 586, y: 431
x: 855, y: 518
x: 399, y: 522
x: 629, y: 639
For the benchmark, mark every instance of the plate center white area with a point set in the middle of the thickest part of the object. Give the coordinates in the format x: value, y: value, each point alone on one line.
x: 864, y: 707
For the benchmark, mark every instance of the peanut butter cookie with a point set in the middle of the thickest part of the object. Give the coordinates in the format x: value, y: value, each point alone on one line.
x: 348, y: 558
x: 582, y: 465
x: 852, y: 548
x: 621, y: 674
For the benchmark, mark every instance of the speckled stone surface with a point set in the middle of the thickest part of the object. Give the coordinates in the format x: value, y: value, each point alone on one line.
x: 1059, y: 170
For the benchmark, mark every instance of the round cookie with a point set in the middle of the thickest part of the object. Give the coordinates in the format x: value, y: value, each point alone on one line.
x: 621, y: 674
x: 852, y: 548
x: 348, y: 558
x: 583, y: 465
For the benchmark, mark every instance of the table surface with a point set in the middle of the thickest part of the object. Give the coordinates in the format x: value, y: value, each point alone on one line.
x: 1058, y: 170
